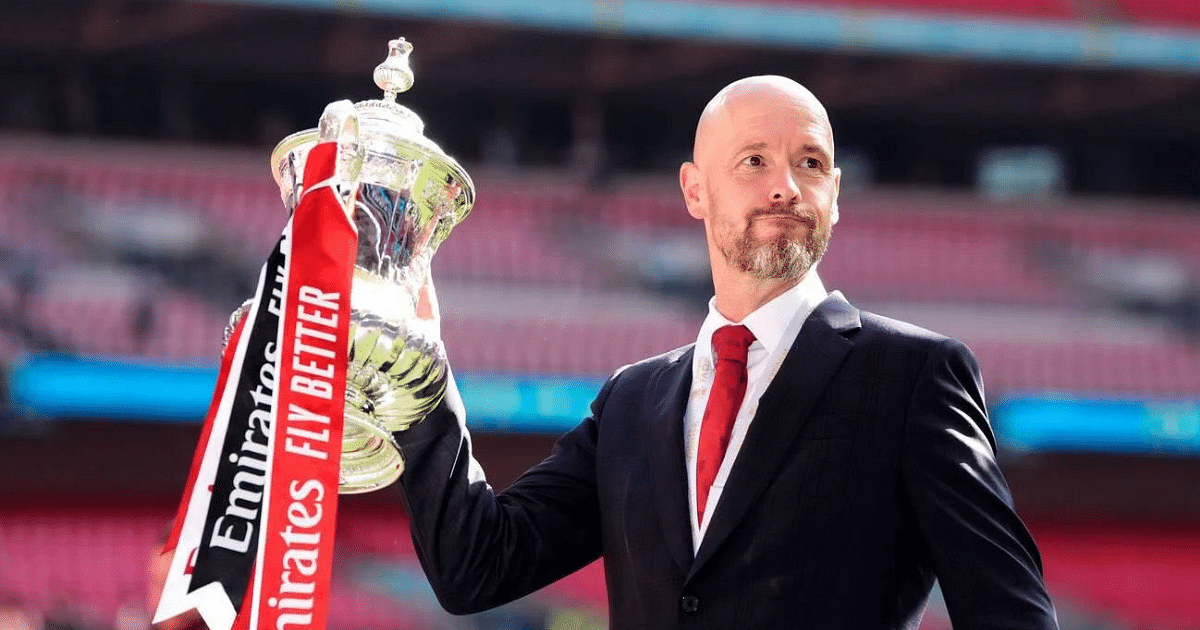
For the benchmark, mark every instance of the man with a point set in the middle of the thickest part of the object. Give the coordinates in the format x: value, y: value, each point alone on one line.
x: 859, y: 467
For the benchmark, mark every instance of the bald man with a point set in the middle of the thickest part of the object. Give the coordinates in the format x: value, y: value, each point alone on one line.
x: 855, y: 466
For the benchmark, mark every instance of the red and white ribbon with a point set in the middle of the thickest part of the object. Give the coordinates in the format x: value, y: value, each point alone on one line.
x: 253, y: 538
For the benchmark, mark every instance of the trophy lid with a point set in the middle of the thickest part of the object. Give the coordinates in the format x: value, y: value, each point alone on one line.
x: 389, y: 132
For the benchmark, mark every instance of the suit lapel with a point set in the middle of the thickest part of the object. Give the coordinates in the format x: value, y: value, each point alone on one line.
x: 670, y: 392
x: 813, y: 359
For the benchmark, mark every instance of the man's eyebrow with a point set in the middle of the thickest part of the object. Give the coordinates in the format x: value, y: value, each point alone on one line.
x: 807, y: 149
x: 753, y: 146
x: 817, y: 149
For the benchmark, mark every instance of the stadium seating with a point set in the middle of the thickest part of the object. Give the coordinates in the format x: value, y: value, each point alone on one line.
x: 546, y: 346
x: 537, y: 235
x: 172, y: 326
x: 94, y: 562
x: 1142, y: 576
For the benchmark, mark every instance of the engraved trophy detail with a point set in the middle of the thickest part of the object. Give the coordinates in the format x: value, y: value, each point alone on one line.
x: 408, y: 196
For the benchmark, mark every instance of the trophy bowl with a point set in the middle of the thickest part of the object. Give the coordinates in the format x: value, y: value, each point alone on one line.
x: 408, y: 196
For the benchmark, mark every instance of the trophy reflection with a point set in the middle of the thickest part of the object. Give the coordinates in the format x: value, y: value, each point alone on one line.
x: 408, y: 194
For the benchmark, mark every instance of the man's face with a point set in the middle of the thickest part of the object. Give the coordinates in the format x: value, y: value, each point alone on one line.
x: 767, y: 189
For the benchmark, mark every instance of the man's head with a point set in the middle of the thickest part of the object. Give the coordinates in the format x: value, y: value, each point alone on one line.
x: 762, y: 179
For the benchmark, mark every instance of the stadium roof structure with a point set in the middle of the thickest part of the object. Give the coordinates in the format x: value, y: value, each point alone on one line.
x: 1074, y: 69
x: 1130, y: 52
x: 1090, y: 33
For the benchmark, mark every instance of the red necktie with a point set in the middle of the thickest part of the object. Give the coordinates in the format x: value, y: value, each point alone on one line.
x: 731, y: 344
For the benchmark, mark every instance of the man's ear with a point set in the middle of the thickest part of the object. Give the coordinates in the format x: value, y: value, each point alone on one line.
x: 690, y: 184
x: 837, y: 187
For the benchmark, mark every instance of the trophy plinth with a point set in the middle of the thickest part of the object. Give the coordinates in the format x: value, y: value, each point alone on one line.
x: 408, y: 196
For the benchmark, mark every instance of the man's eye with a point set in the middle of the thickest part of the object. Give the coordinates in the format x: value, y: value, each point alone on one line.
x: 753, y: 160
x: 811, y: 162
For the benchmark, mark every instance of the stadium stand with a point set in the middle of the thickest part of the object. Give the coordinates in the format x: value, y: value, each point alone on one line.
x: 90, y: 567
x: 958, y: 251
x: 93, y: 563
x: 1144, y: 577
x: 140, y: 250
x: 172, y: 327
x: 546, y: 277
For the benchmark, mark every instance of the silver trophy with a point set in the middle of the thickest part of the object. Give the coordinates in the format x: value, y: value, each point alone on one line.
x: 409, y: 195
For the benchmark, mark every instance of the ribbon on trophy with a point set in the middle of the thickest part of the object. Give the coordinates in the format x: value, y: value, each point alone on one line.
x: 253, y: 538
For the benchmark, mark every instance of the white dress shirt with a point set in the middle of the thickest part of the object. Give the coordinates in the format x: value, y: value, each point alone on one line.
x: 775, y: 326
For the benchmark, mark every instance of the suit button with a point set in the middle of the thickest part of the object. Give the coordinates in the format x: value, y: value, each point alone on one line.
x: 689, y: 603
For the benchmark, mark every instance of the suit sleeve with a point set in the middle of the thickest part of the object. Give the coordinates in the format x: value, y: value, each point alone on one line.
x: 986, y: 561
x: 480, y: 548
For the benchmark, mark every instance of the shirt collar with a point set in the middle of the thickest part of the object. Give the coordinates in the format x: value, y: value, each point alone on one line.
x: 769, y: 322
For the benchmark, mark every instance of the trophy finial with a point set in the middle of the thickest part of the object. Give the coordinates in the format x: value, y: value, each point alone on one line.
x: 394, y: 75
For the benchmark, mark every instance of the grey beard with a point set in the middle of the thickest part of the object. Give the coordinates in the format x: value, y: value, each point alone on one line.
x: 780, y: 259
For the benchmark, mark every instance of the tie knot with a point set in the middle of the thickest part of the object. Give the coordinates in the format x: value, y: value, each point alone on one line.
x: 732, y: 343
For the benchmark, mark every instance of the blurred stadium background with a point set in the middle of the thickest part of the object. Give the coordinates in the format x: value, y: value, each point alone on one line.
x: 1021, y: 174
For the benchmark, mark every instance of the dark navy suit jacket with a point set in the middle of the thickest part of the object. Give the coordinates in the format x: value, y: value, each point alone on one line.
x: 868, y: 470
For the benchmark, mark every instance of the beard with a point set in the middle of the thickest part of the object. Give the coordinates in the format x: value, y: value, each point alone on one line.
x: 782, y: 257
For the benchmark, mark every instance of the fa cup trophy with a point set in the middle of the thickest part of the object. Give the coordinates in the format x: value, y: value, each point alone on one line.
x: 409, y: 194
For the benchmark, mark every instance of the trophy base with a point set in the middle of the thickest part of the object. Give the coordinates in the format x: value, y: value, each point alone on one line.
x: 370, y: 458
x: 395, y: 376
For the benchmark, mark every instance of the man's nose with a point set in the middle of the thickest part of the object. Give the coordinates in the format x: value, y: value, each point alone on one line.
x: 784, y: 188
